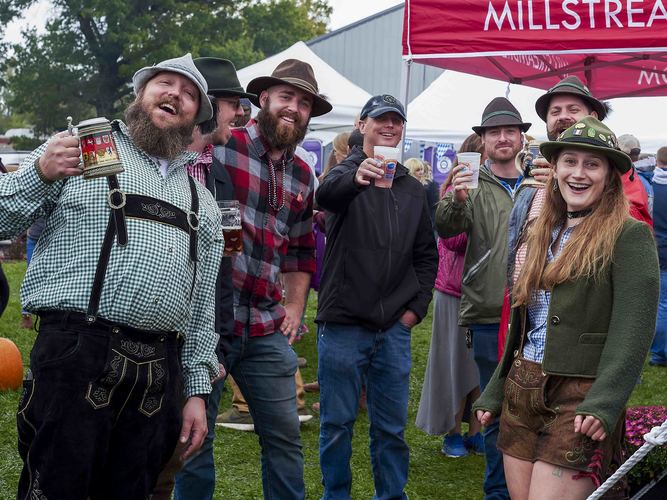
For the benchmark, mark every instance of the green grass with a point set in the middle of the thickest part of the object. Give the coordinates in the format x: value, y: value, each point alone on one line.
x: 432, y: 476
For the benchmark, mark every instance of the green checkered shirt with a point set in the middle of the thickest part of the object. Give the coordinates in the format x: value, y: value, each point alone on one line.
x: 147, y: 282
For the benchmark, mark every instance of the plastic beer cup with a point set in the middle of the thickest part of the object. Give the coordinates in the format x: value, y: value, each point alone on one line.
x: 389, y: 158
x: 472, y: 160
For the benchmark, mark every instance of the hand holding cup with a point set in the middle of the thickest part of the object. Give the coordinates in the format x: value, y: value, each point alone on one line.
x: 461, y: 180
x: 61, y: 158
x: 369, y: 170
x: 542, y: 170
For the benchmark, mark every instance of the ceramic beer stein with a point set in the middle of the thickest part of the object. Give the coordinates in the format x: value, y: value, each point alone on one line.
x: 100, y: 156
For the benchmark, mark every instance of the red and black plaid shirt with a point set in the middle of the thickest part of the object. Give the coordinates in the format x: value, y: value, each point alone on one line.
x: 273, y: 241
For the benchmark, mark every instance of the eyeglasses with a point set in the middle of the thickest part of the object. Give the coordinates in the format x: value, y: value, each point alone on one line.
x: 635, y: 151
x: 235, y: 102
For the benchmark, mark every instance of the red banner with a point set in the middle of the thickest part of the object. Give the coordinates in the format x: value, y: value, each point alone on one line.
x: 618, y: 46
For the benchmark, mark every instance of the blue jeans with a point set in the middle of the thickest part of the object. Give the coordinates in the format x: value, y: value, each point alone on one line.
x: 659, y: 346
x: 196, y: 479
x: 263, y: 368
x: 485, y: 348
x: 350, y: 356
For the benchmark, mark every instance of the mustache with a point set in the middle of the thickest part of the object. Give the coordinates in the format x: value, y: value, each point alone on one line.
x: 564, y: 124
x: 172, y: 101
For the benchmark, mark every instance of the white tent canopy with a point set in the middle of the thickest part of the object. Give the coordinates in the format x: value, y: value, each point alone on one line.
x: 453, y: 103
x: 346, y: 97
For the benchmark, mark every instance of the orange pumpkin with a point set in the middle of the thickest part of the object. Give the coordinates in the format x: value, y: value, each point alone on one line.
x: 11, y: 365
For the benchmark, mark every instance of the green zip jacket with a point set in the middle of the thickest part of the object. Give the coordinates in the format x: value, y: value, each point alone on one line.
x: 600, y: 329
x: 484, y: 217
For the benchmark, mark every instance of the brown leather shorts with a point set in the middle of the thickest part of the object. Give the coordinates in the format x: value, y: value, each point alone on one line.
x: 537, y: 422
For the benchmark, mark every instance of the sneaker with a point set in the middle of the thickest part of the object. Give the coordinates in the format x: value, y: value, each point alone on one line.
x: 453, y: 446
x: 26, y: 321
x: 474, y: 443
x: 234, y: 419
x: 304, y: 415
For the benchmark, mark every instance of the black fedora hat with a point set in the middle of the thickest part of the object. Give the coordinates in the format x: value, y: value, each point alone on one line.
x: 501, y: 113
x: 220, y: 74
x: 293, y: 72
x: 573, y: 86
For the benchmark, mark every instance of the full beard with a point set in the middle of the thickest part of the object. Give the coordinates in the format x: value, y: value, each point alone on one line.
x: 165, y: 143
x: 278, y: 135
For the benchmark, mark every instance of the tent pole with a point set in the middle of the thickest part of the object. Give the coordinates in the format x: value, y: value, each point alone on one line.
x: 405, y: 92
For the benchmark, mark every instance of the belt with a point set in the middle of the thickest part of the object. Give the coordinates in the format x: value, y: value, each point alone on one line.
x: 71, y: 318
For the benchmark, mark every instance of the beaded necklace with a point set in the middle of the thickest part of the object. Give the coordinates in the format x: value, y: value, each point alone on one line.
x: 274, y: 186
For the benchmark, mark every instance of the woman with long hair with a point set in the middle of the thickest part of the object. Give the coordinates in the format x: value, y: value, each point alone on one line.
x: 451, y: 380
x: 584, y: 309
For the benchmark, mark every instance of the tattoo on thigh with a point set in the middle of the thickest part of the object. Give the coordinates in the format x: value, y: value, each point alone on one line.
x: 558, y: 472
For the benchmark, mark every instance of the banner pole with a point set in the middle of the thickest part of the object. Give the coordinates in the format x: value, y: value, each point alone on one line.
x: 405, y: 92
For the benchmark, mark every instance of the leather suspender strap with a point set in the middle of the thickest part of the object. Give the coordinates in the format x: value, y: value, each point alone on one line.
x: 193, y: 219
x: 117, y: 200
x: 101, y: 271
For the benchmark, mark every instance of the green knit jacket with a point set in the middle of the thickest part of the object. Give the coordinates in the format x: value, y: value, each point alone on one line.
x: 596, y: 328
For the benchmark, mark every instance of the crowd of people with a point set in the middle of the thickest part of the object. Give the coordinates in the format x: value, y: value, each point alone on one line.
x: 547, y: 281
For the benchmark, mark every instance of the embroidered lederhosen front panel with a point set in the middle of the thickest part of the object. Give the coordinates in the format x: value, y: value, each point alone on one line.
x: 133, y: 367
x: 525, y: 394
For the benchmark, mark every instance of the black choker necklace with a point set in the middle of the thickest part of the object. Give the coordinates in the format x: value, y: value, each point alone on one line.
x: 579, y: 213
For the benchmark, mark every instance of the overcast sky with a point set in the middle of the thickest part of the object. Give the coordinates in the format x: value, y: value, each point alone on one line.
x: 348, y: 11
x: 344, y: 12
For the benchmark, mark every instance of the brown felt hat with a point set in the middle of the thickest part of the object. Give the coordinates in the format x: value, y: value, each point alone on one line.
x: 570, y: 85
x: 293, y: 72
x: 501, y: 113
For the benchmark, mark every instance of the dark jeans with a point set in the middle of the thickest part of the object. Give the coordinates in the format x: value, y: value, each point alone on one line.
x: 485, y: 348
x: 196, y: 479
x: 102, y: 414
x: 264, y: 368
x: 350, y: 356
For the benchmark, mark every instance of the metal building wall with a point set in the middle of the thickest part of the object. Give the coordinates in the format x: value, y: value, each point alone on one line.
x: 368, y: 53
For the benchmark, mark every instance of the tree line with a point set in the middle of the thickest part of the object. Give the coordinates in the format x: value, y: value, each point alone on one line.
x: 82, y: 63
